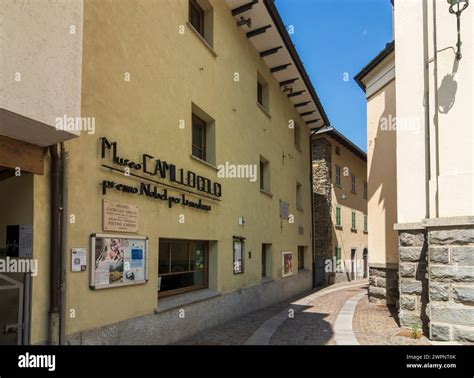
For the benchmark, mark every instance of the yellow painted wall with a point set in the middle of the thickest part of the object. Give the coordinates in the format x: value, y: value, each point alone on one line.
x: 343, y: 236
x: 382, y: 173
x: 41, y: 251
x: 170, y: 71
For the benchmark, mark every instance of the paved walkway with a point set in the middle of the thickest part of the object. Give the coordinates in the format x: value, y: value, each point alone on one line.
x: 264, y: 334
x: 337, y: 315
x: 344, y: 333
x: 310, y: 322
x: 377, y: 324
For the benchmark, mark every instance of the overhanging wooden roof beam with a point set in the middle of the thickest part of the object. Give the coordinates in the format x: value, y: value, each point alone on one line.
x: 244, y: 8
x: 280, y: 68
x: 294, y: 94
x: 270, y: 51
x: 302, y: 104
x: 288, y: 82
x: 258, y: 31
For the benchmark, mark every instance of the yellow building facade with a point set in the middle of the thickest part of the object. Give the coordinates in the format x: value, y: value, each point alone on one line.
x: 340, y: 207
x: 377, y: 80
x: 190, y: 177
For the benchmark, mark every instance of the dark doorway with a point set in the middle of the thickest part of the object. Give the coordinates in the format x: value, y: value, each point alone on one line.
x: 353, y: 264
x: 365, y: 257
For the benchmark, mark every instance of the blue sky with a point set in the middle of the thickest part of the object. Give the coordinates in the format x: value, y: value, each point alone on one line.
x: 333, y: 37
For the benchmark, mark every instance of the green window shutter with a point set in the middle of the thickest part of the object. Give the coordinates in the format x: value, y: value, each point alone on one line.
x: 338, y: 258
x: 365, y: 223
x: 338, y: 216
x: 353, y: 220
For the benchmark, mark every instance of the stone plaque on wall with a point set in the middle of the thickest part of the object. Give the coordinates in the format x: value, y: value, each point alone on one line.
x: 284, y: 210
x: 120, y: 216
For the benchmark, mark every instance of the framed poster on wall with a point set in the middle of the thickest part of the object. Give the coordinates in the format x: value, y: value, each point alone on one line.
x: 118, y: 260
x: 238, y: 256
x: 286, y: 264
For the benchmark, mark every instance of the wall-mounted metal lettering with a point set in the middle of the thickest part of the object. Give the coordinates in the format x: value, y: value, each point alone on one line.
x: 161, y: 169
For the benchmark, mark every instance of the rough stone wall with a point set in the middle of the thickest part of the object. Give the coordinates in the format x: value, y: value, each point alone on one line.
x: 383, y: 285
x: 322, y: 227
x: 451, y: 281
x: 413, y: 282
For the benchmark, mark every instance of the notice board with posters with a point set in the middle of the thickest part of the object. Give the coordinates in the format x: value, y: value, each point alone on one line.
x: 118, y: 260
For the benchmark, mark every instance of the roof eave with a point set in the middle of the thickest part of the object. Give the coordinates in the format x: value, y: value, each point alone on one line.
x: 332, y: 132
x: 275, y: 15
x: 389, y: 48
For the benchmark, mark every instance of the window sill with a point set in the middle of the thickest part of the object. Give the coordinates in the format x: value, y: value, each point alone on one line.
x: 266, y: 193
x: 338, y: 186
x: 366, y: 232
x: 299, y: 208
x: 264, y: 110
x: 303, y: 270
x: 353, y: 192
x: 201, y: 38
x: 298, y: 148
x: 210, y: 165
x: 339, y: 227
x: 353, y: 229
x: 180, y: 300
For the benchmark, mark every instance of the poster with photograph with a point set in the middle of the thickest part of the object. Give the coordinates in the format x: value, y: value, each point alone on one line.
x: 118, y: 261
x: 286, y: 264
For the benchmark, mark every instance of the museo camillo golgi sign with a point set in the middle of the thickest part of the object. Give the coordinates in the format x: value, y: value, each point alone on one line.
x: 157, y: 177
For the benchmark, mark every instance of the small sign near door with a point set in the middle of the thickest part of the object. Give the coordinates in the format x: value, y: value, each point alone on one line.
x: 78, y: 260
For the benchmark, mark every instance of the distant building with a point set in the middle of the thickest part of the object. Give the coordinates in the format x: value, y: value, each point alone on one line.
x: 340, y: 208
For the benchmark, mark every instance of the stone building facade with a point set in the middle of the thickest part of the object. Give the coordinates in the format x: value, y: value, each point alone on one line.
x: 437, y: 278
x: 339, y: 208
x: 322, y: 205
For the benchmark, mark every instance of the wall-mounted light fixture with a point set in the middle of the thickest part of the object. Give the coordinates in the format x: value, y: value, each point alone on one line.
x: 244, y: 21
x: 456, y: 7
x: 287, y: 89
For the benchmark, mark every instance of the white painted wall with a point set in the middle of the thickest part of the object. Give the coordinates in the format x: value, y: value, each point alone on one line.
x: 425, y: 32
x: 40, y: 65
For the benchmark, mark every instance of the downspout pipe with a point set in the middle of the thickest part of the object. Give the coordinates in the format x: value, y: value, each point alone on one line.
x: 54, y: 297
x: 63, y: 242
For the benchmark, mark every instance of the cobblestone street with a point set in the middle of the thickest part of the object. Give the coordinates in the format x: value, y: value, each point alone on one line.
x: 338, y: 314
